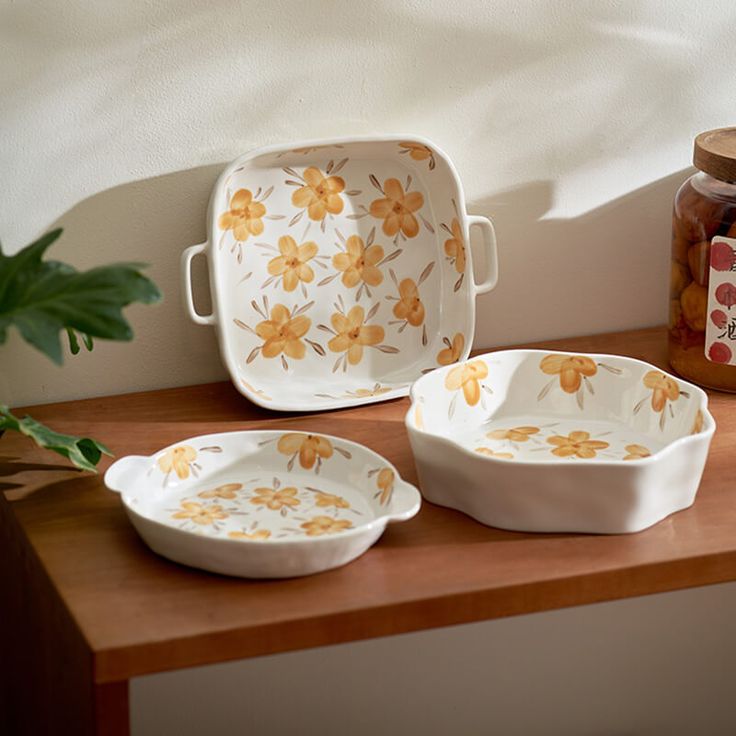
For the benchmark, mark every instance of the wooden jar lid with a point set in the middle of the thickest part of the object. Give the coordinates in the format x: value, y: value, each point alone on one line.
x: 715, y: 153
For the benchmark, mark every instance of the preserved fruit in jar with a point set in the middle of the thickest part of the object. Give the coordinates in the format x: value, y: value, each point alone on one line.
x: 702, y: 314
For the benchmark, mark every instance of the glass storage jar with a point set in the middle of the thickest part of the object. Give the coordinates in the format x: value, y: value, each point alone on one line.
x: 702, y: 324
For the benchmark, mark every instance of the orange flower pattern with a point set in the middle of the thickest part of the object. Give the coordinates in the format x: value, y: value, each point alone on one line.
x: 352, y: 335
x: 570, y: 368
x: 491, y: 453
x: 282, y: 333
x: 409, y: 307
x: 200, y: 513
x: 227, y: 491
x: 385, y: 483
x: 636, y: 452
x: 320, y: 525
x: 244, y: 216
x: 359, y: 263
x: 310, y: 448
x: 178, y: 459
x: 467, y: 377
x: 455, y: 246
x: 418, y: 151
x: 576, y: 444
x: 698, y: 422
x: 517, y: 434
x: 397, y: 209
x: 320, y: 194
x: 451, y: 354
x: 663, y: 388
x: 327, y: 500
x: 292, y: 264
x: 275, y: 499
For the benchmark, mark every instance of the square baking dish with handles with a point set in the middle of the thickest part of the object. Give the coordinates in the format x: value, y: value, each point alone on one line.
x: 340, y: 271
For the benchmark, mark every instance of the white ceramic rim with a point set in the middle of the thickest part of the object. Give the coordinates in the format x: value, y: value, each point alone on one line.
x: 400, y: 485
x: 212, y: 263
x: 709, y: 423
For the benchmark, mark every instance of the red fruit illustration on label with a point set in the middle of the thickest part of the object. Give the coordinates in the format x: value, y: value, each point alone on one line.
x: 722, y: 256
x: 719, y: 318
x: 726, y: 295
x: 720, y: 353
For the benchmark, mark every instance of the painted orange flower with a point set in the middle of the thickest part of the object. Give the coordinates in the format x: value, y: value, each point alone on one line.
x: 200, y: 513
x: 636, y: 452
x: 663, y: 387
x: 570, y: 368
x: 292, y: 263
x: 309, y: 446
x: 418, y: 151
x: 455, y: 246
x: 491, y: 453
x: 364, y: 393
x: 319, y: 525
x: 409, y: 306
x: 396, y: 209
x: 353, y: 335
x: 258, y: 535
x: 275, y: 498
x: 227, y: 491
x: 320, y: 194
x: 326, y: 500
x: 359, y: 263
x: 517, y: 434
x: 451, y: 354
x: 178, y: 459
x: 244, y: 215
x: 385, y: 483
x: 282, y: 333
x: 697, y: 422
x: 576, y: 444
x: 467, y: 377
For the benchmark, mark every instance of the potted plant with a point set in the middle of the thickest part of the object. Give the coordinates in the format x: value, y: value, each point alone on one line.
x: 43, y: 299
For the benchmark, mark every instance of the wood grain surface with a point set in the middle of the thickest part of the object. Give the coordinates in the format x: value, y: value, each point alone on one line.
x: 139, y: 613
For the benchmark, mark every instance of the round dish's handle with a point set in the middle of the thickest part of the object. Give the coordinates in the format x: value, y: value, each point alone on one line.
x: 121, y: 474
x: 405, y: 502
x: 186, y: 277
x: 489, y: 241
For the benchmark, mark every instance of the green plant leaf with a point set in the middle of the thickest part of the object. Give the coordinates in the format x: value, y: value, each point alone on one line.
x: 83, y: 452
x: 41, y: 298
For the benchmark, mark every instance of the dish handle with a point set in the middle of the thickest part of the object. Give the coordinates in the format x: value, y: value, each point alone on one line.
x: 489, y: 243
x: 186, y: 277
x: 121, y: 475
x: 405, y: 502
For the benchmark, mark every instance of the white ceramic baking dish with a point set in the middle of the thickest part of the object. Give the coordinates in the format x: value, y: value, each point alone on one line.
x: 551, y: 442
x: 262, y: 504
x: 340, y: 270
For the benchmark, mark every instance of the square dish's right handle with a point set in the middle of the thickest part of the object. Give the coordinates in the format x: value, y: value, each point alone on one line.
x: 489, y: 242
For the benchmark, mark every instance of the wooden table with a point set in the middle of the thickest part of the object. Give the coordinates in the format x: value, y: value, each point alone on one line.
x: 86, y: 606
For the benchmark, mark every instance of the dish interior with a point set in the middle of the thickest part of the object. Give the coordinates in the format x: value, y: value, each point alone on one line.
x: 342, y: 271
x: 536, y: 406
x: 272, y: 487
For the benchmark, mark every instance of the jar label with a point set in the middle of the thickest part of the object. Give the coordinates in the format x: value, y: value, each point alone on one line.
x: 720, y: 332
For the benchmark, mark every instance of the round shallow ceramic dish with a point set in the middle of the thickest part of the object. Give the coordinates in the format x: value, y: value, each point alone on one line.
x: 262, y: 504
x: 340, y: 270
x: 549, y: 442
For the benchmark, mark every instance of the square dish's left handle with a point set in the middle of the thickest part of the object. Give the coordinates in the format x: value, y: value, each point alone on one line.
x: 186, y: 278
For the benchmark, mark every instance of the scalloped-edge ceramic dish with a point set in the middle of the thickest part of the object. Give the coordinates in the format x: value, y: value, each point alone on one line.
x: 262, y: 504
x: 340, y: 270
x: 543, y: 441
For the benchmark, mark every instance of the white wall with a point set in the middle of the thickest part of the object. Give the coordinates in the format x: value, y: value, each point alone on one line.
x: 570, y: 123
